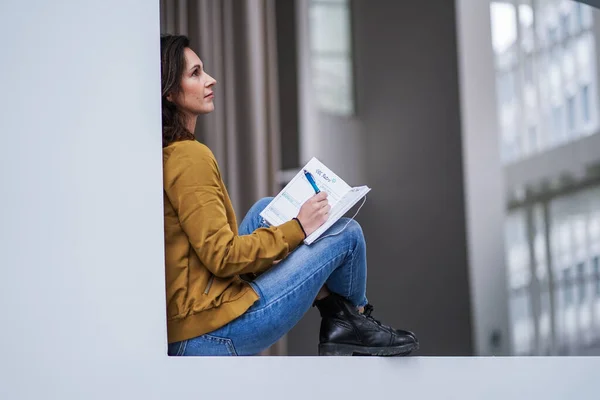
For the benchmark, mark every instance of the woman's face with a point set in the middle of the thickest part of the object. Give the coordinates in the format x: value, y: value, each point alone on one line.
x: 196, y: 95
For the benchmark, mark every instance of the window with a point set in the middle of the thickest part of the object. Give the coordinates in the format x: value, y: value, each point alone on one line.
x: 597, y: 275
x: 568, y: 285
x: 564, y: 234
x: 571, y: 113
x: 564, y: 22
x: 585, y: 103
x: 529, y: 70
x: 533, y: 141
x: 557, y: 124
x: 331, y: 55
x: 552, y: 35
x: 581, y: 282
x: 546, y: 73
x: 506, y: 87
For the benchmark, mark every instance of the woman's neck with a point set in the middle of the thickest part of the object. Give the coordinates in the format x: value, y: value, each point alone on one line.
x: 191, y: 123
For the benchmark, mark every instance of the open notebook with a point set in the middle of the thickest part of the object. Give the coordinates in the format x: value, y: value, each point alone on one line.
x: 286, y: 205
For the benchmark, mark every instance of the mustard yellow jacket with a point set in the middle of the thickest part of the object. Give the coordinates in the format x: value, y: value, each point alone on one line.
x: 204, y: 255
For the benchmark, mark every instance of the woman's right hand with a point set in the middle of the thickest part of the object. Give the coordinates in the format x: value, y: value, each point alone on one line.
x: 314, y: 212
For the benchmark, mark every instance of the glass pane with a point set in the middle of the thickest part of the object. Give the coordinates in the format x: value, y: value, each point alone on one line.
x: 565, y: 19
x: 540, y: 22
x: 522, y: 323
x: 552, y: 23
x: 528, y: 70
x: 504, y: 26
x: 540, y: 233
x: 526, y: 21
x: 568, y: 61
x: 330, y: 42
x: 564, y: 26
x: 333, y: 83
x: 557, y: 121
x: 532, y: 139
x: 517, y: 248
x: 584, y: 53
x: 545, y: 323
x: 580, y: 282
x: 579, y: 17
x: 596, y: 268
x: 585, y: 103
x: 584, y: 16
x: 567, y: 283
x: 506, y: 87
x: 329, y: 28
x: 571, y: 114
x: 556, y: 89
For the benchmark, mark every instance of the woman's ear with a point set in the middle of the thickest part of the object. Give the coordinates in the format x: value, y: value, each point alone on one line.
x: 170, y: 97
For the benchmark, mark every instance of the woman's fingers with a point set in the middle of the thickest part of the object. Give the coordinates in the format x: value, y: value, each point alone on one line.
x: 325, y: 210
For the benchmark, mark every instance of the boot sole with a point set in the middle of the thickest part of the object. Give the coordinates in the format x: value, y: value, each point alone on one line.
x: 334, y: 349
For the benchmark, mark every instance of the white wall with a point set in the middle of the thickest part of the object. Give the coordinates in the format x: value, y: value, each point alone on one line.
x: 81, y: 246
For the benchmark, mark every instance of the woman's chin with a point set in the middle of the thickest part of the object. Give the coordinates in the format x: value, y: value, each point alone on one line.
x: 207, y: 109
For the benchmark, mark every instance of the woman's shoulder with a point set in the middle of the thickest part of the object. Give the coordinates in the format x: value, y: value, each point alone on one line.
x: 188, y: 163
x: 187, y: 149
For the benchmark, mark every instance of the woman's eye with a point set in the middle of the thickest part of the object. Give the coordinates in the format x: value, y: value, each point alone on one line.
x: 195, y: 73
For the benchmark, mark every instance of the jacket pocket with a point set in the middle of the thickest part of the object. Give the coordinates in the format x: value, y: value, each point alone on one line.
x: 209, y: 284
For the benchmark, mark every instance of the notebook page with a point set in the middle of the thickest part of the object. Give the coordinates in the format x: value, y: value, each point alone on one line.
x: 287, y: 203
x: 337, y: 212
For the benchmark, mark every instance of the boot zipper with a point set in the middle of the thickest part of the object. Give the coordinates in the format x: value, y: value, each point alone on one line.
x: 209, y: 284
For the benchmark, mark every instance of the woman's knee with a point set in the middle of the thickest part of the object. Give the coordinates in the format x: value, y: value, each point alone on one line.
x: 352, y: 231
x: 352, y: 227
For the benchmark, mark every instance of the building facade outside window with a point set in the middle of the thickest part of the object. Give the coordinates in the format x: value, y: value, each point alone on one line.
x: 547, y: 96
x: 546, y: 74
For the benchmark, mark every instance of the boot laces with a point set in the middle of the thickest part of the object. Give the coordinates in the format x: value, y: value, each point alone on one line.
x: 367, y: 313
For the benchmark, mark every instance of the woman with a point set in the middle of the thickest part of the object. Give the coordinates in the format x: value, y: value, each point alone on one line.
x: 237, y: 291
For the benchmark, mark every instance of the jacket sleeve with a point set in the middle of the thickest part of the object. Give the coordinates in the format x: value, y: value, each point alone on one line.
x: 192, y: 184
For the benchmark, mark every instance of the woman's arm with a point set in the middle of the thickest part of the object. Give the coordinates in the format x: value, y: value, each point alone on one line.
x: 193, y: 186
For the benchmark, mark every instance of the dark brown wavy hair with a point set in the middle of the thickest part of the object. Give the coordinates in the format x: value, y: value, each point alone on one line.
x: 172, y: 63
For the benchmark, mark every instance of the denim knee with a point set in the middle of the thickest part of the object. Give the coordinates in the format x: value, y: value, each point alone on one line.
x: 353, y: 228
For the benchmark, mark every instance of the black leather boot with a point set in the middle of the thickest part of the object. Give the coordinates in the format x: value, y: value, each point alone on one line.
x: 347, y: 332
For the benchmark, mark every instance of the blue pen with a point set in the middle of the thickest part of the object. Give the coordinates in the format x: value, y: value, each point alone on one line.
x: 312, y: 181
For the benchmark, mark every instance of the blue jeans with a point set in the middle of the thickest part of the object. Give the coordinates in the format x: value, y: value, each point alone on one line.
x: 287, y: 290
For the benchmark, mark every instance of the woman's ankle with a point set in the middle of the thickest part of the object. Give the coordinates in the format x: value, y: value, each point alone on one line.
x: 324, y: 292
